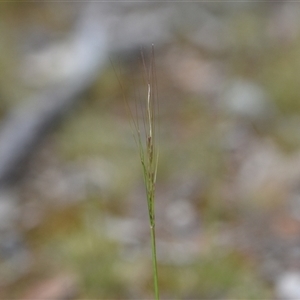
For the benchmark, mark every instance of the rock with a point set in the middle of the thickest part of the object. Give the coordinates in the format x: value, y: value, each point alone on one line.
x: 124, y: 230
x: 194, y: 74
x: 62, y: 287
x: 247, y: 101
x: 288, y: 285
x: 182, y: 217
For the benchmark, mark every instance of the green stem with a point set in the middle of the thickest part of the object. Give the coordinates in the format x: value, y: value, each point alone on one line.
x: 154, y: 261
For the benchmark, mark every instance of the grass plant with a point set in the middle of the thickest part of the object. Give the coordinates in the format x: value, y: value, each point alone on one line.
x: 146, y: 139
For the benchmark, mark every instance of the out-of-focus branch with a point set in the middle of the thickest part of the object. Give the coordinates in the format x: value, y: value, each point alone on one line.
x: 25, y: 127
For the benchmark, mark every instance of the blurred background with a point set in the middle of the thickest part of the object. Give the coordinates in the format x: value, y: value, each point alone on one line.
x: 73, y: 215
